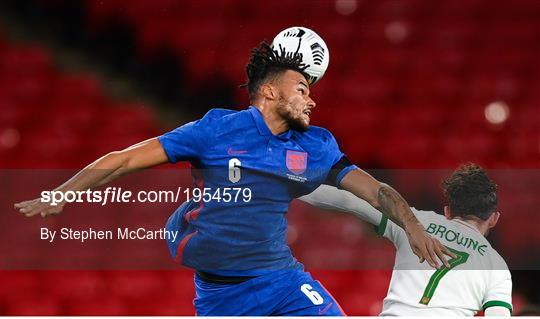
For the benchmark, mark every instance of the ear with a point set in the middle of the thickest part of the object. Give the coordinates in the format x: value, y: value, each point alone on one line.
x: 269, y: 91
x: 447, y: 213
x: 493, y: 219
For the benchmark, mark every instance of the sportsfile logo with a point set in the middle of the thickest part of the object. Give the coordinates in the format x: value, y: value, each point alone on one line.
x: 119, y: 195
x: 109, y: 195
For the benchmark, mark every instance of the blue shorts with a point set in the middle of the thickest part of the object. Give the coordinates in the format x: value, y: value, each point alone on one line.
x: 280, y: 293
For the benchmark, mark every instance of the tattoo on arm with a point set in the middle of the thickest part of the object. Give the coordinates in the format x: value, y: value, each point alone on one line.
x: 394, y: 206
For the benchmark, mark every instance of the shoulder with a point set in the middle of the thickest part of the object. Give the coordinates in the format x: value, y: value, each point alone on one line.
x: 217, y: 113
x: 321, y: 132
x: 428, y: 216
x: 219, y: 120
x: 320, y: 144
x: 425, y: 217
x: 497, y: 260
x: 316, y: 133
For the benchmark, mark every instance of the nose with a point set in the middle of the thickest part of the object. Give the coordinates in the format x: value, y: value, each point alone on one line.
x: 311, y: 103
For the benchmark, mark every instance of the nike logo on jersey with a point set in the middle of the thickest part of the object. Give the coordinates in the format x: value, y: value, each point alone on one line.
x: 230, y: 151
x: 325, y: 309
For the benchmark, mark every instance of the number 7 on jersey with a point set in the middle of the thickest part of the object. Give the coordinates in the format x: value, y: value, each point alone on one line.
x: 439, y: 273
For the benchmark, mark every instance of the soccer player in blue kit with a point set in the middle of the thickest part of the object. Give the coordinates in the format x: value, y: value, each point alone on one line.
x: 238, y: 246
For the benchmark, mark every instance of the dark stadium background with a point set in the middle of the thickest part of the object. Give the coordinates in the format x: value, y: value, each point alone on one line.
x: 412, y: 84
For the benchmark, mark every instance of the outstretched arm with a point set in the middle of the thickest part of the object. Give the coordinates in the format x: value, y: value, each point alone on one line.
x: 381, y: 196
x: 105, y: 169
x: 388, y: 201
x: 332, y: 198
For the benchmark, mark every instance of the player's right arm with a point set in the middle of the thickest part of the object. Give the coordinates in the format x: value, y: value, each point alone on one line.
x: 390, y: 203
x: 332, y: 198
x: 105, y: 169
x: 185, y: 143
x: 384, y: 198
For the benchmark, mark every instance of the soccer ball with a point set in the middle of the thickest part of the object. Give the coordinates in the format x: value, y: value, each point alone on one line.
x: 310, y: 45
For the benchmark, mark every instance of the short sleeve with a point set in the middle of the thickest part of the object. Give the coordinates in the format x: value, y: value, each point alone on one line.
x: 388, y: 229
x: 340, y: 164
x: 183, y: 143
x: 500, y: 291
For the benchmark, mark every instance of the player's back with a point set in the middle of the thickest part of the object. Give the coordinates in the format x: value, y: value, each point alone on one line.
x: 478, y: 277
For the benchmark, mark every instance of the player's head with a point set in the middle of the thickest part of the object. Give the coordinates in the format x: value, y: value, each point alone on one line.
x: 277, y: 79
x: 471, y: 194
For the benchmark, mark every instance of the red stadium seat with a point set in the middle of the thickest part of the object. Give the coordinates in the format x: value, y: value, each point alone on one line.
x: 17, y: 283
x: 74, y: 285
x: 102, y: 306
x: 75, y: 86
x: 25, y: 59
x: 101, y: 13
x: 34, y: 305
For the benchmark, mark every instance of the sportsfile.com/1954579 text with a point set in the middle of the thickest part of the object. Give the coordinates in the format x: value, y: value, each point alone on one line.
x: 119, y: 195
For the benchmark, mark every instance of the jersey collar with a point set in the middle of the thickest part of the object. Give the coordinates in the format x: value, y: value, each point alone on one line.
x: 464, y: 223
x: 262, y: 127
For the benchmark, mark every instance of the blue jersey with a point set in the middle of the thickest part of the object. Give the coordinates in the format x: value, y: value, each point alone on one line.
x: 235, y: 152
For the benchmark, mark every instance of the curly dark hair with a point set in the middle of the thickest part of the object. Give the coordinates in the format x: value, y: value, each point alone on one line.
x: 266, y: 63
x: 471, y: 192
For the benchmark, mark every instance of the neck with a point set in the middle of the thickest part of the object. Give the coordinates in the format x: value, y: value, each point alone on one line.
x: 477, y: 224
x: 273, y: 120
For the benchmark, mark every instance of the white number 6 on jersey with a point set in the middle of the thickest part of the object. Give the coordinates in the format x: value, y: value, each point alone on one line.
x: 312, y: 294
x: 234, y: 170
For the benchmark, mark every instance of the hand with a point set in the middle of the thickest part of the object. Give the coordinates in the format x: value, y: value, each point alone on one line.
x: 34, y: 207
x: 426, y: 247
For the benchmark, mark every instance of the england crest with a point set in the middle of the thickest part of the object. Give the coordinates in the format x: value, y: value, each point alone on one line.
x: 296, y: 161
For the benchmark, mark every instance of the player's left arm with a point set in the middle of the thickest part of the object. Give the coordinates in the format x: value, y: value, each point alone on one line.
x: 387, y: 200
x: 498, y: 299
x: 384, y: 198
x: 497, y: 311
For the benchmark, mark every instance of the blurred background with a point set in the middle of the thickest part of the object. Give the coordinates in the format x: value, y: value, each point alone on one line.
x: 412, y: 85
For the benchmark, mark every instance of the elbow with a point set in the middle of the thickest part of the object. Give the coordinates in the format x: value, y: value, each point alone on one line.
x: 375, y: 196
x: 117, y: 160
x: 364, y: 186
